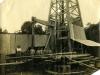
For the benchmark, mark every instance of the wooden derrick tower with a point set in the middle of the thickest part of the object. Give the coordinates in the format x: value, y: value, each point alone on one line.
x: 62, y: 14
x: 65, y: 17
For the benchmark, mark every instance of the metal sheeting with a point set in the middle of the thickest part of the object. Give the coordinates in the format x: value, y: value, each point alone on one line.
x: 78, y: 34
x: 40, y: 40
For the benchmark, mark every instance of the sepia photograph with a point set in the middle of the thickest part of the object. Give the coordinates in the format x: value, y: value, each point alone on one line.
x: 49, y: 37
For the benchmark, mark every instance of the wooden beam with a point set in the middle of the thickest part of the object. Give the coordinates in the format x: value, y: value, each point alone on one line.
x: 12, y: 63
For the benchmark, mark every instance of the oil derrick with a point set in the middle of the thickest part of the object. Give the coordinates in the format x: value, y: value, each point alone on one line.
x: 62, y: 14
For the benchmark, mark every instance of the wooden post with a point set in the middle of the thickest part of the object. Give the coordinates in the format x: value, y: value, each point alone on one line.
x: 2, y: 67
x: 33, y: 34
x: 2, y: 57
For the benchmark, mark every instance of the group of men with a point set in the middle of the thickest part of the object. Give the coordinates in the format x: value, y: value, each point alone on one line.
x: 32, y: 51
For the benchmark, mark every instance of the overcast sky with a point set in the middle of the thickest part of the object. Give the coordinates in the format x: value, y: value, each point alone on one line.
x: 15, y: 12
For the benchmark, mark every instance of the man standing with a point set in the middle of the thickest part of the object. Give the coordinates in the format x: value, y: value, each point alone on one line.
x: 32, y: 51
x: 18, y: 51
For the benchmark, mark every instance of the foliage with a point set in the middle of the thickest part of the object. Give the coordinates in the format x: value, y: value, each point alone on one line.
x: 0, y: 30
x: 3, y: 31
x: 92, y: 32
x: 38, y: 29
x: 27, y: 28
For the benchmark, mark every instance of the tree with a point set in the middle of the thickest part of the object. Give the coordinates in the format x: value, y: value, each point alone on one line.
x: 0, y: 30
x: 38, y: 29
x: 27, y: 28
x: 5, y: 31
x: 92, y: 32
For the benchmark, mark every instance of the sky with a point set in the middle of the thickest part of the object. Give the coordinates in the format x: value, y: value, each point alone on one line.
x: 15, y: 12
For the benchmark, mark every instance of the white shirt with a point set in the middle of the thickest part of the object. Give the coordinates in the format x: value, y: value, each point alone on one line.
x: 19, y: 49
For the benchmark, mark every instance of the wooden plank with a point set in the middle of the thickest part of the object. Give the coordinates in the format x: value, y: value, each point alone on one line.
x: 65, y: 53
x: 81, y: 61
x: 85, y: 65
x: 73, y: 56
x: 12, y: 63
x: 22, y: 57
x: 18, y: 57
x: 61, y: 38
x: 83, y: 58
x: 67, y: 73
